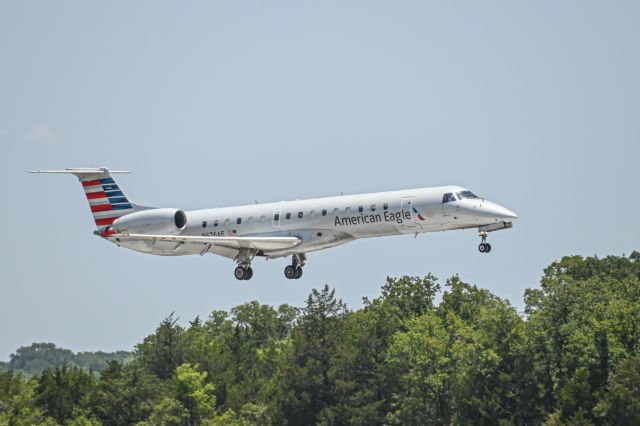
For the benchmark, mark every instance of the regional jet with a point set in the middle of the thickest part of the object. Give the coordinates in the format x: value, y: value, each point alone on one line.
x: 285, y: 228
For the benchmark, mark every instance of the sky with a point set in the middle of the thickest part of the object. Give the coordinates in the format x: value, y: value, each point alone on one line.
x: 534, y: 105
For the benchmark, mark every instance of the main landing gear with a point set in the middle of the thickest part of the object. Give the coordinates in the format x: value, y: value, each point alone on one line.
x: 484, y: 246
x: 243, y: 272
x: 244, y: 258
x: 294, y: 271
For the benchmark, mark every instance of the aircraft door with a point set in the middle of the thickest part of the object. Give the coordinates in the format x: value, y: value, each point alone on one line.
x: 408, y: 216
x: 276, y: 218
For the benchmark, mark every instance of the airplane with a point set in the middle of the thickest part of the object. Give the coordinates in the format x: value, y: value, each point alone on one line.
x: 284, y: 228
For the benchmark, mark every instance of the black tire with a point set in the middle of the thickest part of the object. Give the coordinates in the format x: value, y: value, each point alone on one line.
x: 482, y: 248
x: 488, y: 247
x: 239, y: 273
x: 290, y: 272
x: 248, y: 273
x: 298, y: 273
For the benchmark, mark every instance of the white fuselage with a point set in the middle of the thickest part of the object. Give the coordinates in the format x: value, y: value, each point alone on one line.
x: 330, y: 221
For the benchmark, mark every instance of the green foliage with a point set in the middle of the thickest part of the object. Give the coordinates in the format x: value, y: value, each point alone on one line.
x: 621, y: 404
x: 305, y: 373
x: 402, y: 358
x: 195, y: 395
x: 34, y: 359
x: 167, y: 412
x: 583, y: 321
x: 161, y: 352
x: 18, y: 405
x: 61, y: 389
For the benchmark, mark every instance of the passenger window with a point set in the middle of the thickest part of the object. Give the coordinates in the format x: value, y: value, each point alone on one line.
x: 227, y: 222
x: 312, y: 213
x: 204, y: 223
x: 276, y: 217
x: 299, y: 215
x: 360, y: 209
x: 239, y: 220
x: 215, y: 223
x: 373, y: 207
x: 288, y: 216
x: 385, y: 206
x: 324, y: 212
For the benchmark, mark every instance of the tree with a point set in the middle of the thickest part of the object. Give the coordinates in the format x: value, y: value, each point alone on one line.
x: 18, y: 405
x: 621, y: 404
x: 412, y: 296
x: 61, y: 389
x: 125, y: 394
x: 163, y: 351
x: 196, y: 396
x: 583, y: 321
x: 426, y: 356
x: 307, y: 387
x: 167, y: 412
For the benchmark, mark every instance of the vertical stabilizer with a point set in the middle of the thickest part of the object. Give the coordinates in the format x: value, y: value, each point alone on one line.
x: 106, y: 199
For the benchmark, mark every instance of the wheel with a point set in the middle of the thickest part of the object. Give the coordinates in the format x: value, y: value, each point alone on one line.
x: 482, y: 247
x: 239, y: 273
x: 248, y: 273
x: 298, y: 273
x: 290, y: 272
x: 488, y: 247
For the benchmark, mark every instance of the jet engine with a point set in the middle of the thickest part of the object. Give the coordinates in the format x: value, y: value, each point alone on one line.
x: 152, y: 222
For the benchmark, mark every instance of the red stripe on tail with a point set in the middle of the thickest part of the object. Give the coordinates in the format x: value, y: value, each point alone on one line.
x: 105, y: 221
x: 94, y: 195
x: 91, y: 182
x: 101, y: 208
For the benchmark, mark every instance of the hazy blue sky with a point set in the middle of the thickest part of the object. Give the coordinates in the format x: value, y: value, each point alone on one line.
x: 535, y: 105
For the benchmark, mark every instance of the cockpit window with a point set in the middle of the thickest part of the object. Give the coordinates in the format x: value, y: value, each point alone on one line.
x: 448, y: 197
x: 466, y: 194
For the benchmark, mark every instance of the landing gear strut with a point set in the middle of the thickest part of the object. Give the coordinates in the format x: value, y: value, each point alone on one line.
x: 484, y: 246
x: 294, y: 271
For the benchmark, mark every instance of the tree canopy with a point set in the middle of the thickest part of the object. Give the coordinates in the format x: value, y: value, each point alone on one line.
x: 422, y: 353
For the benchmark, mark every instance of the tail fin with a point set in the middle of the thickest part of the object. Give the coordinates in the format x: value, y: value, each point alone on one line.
x: 106, y: 200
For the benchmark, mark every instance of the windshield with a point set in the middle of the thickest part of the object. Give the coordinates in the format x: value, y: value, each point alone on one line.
x: 466, y: 194
x: 448, y: 197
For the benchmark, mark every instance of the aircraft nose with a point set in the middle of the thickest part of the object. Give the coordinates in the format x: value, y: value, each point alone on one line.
x: 502, y: 212
x: 499, y: 212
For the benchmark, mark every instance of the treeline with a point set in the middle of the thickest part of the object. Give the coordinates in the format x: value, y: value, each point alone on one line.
x: 402, y: 359
x: 34, y: 359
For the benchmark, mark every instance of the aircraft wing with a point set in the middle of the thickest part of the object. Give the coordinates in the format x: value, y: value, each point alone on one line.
x: 256, y: 243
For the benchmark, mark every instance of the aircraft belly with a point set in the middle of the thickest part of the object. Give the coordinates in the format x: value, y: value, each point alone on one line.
x: 161, y: 248
x: 312, y: 240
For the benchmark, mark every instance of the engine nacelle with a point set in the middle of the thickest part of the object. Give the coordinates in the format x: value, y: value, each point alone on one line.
x: 152, y: 222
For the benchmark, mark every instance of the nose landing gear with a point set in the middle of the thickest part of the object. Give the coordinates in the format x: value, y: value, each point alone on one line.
x: 294, y: 271
x: 484, y: 246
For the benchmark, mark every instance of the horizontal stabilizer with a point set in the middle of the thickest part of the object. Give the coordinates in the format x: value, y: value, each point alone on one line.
x: 256, y: 243
x: 79, y: 171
